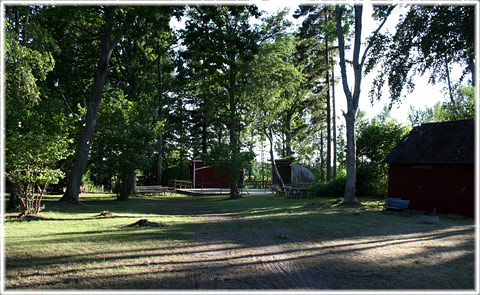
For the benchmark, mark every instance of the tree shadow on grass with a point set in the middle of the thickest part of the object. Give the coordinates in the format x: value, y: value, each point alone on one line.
x: 316, y: 262
x: 320, y: 268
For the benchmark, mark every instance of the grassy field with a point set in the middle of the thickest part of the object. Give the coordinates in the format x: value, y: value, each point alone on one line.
x: 258, y: 242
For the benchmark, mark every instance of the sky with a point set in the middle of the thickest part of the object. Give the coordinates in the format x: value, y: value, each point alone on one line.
x: 424, y: 95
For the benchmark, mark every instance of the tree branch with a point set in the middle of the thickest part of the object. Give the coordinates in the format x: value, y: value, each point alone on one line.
x: 375, y: 33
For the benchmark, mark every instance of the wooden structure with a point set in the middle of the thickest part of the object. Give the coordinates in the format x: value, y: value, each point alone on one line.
x: 297, y: 179
x: 204, y: 176
x: 433, y: 168
x: 152, y: 189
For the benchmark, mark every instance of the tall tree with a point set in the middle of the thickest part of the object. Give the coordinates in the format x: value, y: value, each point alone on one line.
x: 108, y: 44
x: 353, y: 97
x: 226, y: 43
x: 319, y: 25
x: 273, y: 75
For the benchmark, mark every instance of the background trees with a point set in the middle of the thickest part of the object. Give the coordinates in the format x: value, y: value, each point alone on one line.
x: 232, y: 77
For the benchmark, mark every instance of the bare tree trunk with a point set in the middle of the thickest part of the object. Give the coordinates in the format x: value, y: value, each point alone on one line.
x: 81, y: 155
x: 334, y: 126
x: 234, y: 193
x: 352, y: 99
x: 158, y: 104
x: 351, y: 159
x: 322, y: 175
x: 448, y: 81
x: 329, y: 121
x: 160, y: 159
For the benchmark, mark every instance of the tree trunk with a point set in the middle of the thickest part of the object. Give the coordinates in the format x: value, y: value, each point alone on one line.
x: 234, y: 193
x: 334, y: 127
x: 288, y: 136
x: 81, y: 155
x: 329, y: 131
x: 160, y: 159
x: 349, y: 197
x: 448, y: 81
x: 204, y: 133
x: 15, y: 194
x: 272, y: 157
x: 322, y: 175
x: 352, y: 99
x: 158, y: 104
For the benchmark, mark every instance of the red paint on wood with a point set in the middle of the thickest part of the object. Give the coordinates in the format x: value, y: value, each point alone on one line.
x: 446, y: 188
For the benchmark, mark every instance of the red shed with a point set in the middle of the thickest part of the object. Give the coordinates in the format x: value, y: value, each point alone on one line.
x: 433, y: 167
x: 209, y: 177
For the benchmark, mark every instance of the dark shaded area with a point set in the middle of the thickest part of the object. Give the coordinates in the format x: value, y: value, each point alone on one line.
x: 222, y: 250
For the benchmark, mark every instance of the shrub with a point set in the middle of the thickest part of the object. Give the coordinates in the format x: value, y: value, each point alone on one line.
x: 334, y: 188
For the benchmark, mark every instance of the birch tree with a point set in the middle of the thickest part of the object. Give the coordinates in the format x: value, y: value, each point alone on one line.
x: 352, y: 97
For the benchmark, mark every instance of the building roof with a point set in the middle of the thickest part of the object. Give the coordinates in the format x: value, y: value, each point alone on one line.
x: 436, y: 143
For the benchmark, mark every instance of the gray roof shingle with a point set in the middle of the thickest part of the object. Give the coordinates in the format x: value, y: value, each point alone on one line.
x: 434, y: 143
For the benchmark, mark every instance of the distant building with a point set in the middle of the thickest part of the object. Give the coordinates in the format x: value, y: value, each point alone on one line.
x: 206, y: 176
x: 433, y: 167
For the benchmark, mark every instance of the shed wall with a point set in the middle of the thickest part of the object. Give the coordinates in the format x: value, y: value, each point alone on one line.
x: 211, y: 177
x: 446, y: 188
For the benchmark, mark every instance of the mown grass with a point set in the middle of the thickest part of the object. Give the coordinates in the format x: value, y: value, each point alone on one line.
x: 71, y: 248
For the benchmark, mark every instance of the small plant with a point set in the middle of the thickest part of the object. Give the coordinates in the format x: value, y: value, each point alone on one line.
x: 417, y: 261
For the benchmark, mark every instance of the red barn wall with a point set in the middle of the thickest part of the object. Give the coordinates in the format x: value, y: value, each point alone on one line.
x: 446, y: 188
x: 211, y: 177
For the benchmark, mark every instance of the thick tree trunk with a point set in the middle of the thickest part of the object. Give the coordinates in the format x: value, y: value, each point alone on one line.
x: 81, y: 155
x: 272, y: 158
x: 15, y: 194
x: 288, y: 136
x: 349, y: 197
x: 352, y: 99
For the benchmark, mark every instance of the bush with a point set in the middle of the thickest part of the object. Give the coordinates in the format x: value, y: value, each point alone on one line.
x: 335, y: 188
x: 372, y: 180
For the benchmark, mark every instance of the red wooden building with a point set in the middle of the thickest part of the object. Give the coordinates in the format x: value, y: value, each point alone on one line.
x: 209, y: 177
x: 433, y: 167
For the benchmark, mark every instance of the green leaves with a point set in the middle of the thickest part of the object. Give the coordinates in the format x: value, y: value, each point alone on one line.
x: 428, y: 38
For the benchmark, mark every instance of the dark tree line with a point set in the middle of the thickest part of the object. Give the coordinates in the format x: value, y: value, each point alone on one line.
x: 115, y: 95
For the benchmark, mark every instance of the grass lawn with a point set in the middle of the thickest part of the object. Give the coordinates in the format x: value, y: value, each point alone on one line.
x: 257, y: 242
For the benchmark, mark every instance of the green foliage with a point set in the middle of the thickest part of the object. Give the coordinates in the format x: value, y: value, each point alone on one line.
x: 461, y: 108
x: 37, y: 133
x: 427, y: 38
x: 31, y: 166
x: 334, y: 188
x: 376, y: 139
